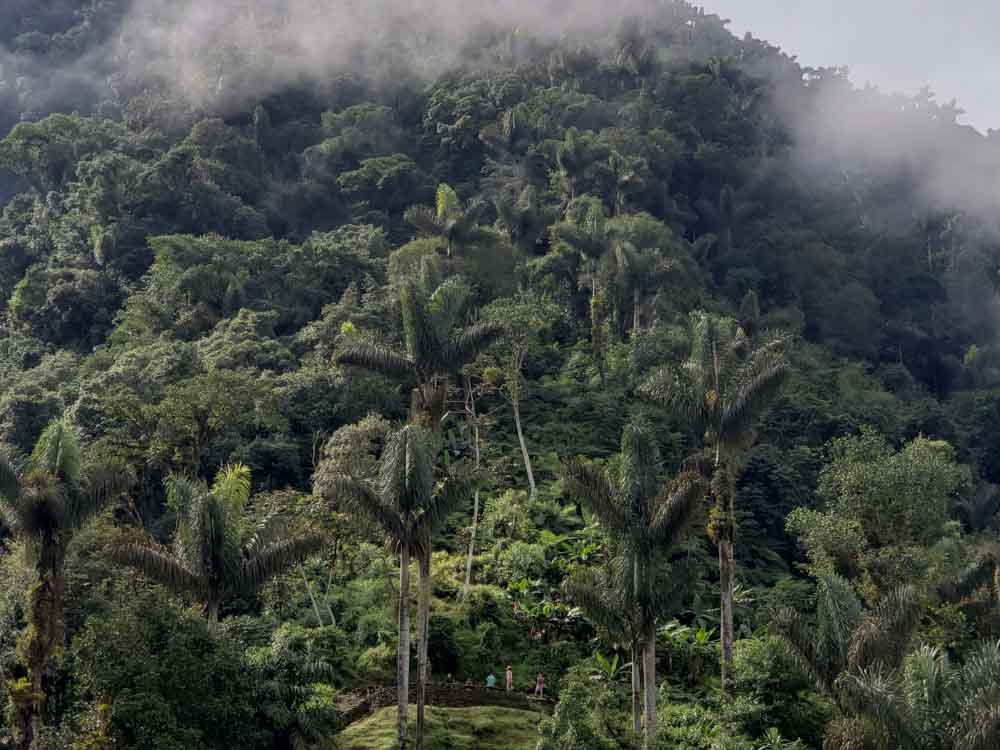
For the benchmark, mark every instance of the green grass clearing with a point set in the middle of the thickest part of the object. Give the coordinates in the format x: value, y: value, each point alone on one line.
x: 481, y: 727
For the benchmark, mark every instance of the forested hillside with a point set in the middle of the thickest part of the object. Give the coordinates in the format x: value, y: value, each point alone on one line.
x: 632, y: 353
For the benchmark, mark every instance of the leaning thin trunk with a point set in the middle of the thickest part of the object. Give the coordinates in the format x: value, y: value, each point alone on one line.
x: 312, y: 596
x: 636, y: 310
x: 403, y: 649
x: 636, y: 688
x: 532, y: 488
x: 326, y: 593
x: 471, y: 411
x: 649, y: 680
x: 726, y: 609
x: 423, y: 617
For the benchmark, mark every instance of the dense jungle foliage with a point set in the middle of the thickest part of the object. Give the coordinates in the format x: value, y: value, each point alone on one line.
x: 580, y: 344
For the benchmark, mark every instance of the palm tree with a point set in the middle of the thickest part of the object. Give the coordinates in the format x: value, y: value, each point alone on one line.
x: 522, y: 217
x: 630, y: 176
x: 45, y: 499
x: 217, y: 552
x: 639, y: 273
x: 585, y: 230
x: 722, y: 388
x: 290, y: 676
x: 607, y: 597
x: 885, y: 694
x: 409, y: 507
x: 647, y: 518
x: 925, y: 704
x: 726, y: 216
x: 846, y: 637
x: 436, y: 347
x: 572, y: 160
x: 457, y: 224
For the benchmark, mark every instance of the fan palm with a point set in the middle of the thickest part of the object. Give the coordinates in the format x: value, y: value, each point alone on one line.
x: 722, y: 388
x: 409, y: 507
x: 647, y: 518
x: 45, y: 499
x: 217, y: 552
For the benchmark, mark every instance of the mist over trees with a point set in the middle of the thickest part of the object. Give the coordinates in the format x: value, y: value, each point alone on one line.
x: 351, y: 346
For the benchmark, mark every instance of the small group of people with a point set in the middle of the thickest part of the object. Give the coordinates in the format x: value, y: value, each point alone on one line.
x: 491, y: 681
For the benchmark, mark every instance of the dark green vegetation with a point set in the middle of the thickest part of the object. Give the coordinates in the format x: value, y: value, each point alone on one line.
x: 662, y: 395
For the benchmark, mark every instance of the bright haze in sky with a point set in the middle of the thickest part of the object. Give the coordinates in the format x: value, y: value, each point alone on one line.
x: 898, y: 45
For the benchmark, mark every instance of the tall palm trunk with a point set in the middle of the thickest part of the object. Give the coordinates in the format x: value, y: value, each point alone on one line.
x: 636, y: 688
x: 726, y: 609
x: 724, y: 510
x: 649, y: 680
x: 423, y: 617
x: 46, y: 607
x: 471, y: 411
x: 597, y: 342
x: 637, y: 656
x: 403, y: 649
x: 726, y: 587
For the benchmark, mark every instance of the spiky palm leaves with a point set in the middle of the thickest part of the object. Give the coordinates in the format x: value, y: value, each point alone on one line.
x: 457, y: 224
x: 585, y: 230
x: 409, y: 507
x: 926, y: 703
x: 217, y: 553
x: 886, y: 694
x: 45, y: 499
x: 522, y: 217
x: 607, y: 598
x: 646, y: 518
x: 638, y: 273
x: 437, y: 346
x: 721, y: 389
x: 725, y: 218
x: 287, y: 695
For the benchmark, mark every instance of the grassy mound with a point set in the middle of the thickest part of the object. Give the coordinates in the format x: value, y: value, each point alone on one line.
x: 449, y: 729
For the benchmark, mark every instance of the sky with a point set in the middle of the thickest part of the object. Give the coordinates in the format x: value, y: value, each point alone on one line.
x: 953, y: 46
